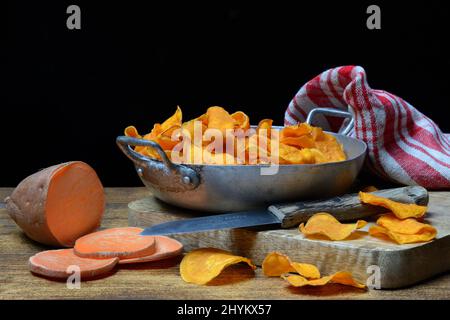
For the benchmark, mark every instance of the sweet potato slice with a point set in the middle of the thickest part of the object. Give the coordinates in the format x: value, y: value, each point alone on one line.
x: 55, y: 264
x: 57, y: 205
x: 165, y: 248
x: 124, y: 243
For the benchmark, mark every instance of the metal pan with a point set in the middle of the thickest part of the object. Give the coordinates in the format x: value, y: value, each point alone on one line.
x: 221, y: 188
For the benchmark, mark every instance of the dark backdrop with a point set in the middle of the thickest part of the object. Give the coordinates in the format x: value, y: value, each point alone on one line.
x: 67, y: 94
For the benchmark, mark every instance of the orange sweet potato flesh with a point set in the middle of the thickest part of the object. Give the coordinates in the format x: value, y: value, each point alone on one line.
x: 59, y: 204
x: 165, y: 248
x: 55, y: 263
x: 124, y: 243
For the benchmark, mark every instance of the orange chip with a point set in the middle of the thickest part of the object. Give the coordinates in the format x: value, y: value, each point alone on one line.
x: 275, y: 264
x: 325, y: 224
x: 341, y: 277
x: 299, y: 142
x: 331, y: 149
x: 265, y: 124
x: 219, y: 118
x: 174, y: 120
x: 403, y: 231
x: 242, y: 120
x: 401, y: 210
x: 202, y: 265
x: 131, y: 131
x: 369, y: 189
x: 293, y: 155
x: 406, y: 226
x: 297, y: 130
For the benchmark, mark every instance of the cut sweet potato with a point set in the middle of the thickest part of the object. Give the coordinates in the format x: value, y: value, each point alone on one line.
x: 124, y: 243
x: 59, y: 204
x: 55, y: 264
x: 165, y: 248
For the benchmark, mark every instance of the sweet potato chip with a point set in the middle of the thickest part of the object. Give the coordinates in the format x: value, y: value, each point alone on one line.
x: 325, y: 224
x: 131, y: 131
x: 400, y: 238
x: 202, y: 265
x: 341, y: 277
x: 276, y: 264
x: 296, y: 131
x: 219, y: 118
x: 403, y: 231
x: 265, y: 124
x: 299, y: 142
x: 406, y: 226
x: 369, y: 189
x: 174, y: 120
x: 293, y: 155
x: 331, y: 149
x: 401, y: 210
x: 242, y: 121
x: 306, y: 270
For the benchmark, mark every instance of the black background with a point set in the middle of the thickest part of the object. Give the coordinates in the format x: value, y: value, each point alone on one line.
x: 66, y: 94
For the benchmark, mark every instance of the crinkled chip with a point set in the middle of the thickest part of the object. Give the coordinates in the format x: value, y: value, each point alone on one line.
x: 369, y: 189
x: 325, y: 224
x: 341, y: 277
x: 202, y: 265
x: 276, y: 264
x: 406, y: 226
x: 299, y: 142
x: 265, y: 124
x: 403, y: 231
x: 242, y: 120
x: 219, y: 118
x: 131, y: 131
x: 292, y: 155
x: 296, y: 131
x: 174, y: 120
x: 330, y: 148
x: 401, y: 210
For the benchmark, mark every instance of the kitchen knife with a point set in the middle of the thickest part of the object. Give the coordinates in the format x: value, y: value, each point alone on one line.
x: 344, y: 208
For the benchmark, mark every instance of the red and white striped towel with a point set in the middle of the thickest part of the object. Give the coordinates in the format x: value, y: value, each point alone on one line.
x: 404, y: 145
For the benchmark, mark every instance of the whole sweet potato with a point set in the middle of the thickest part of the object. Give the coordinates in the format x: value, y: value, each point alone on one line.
x: 59, y: 204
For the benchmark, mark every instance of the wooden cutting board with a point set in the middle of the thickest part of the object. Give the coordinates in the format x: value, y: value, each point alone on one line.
x: 399, y: 265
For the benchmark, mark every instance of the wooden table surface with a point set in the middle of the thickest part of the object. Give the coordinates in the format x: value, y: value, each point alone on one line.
x: 161, y: 280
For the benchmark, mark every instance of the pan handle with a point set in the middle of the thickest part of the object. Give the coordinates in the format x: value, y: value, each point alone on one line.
x: 336, y: 113
x: 163, y: 172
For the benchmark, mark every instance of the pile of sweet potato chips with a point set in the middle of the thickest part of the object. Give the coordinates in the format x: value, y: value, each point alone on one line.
x: 400, y: 223
x: 218, y: 137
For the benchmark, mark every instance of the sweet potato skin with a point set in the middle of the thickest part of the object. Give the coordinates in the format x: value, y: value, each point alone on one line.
x: 27, y: 206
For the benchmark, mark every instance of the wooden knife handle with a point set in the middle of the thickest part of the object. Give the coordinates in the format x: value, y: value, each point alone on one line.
x: 346, y: 207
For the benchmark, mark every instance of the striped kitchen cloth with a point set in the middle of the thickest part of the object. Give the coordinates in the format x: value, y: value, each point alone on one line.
x: 404, y: 145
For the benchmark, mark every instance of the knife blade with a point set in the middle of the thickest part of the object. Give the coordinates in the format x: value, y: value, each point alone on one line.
x: 215, y: 222
x: 344, y: 208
